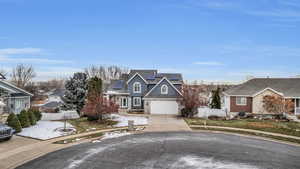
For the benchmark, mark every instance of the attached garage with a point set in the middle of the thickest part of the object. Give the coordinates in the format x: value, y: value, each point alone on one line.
x: 163, y: 107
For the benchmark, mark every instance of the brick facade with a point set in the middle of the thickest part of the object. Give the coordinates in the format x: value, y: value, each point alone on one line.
x: 239, y: 108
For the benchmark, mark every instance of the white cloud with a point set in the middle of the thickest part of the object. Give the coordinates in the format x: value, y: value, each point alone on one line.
x: 8, y: 55
x: 209, y: 63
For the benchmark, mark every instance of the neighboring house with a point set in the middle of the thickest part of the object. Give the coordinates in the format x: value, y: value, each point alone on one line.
x: 53, y: 102
x: 15, y: 99
x: 248, y: 97
x: 147, y: 91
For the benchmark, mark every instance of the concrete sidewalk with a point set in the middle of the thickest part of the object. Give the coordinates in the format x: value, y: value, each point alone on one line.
x: 164, y: 123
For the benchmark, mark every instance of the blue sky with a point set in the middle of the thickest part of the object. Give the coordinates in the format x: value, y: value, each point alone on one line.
x: 214, y: 40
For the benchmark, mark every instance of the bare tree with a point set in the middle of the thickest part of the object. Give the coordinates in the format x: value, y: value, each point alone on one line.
x: 3, y: 73
x: 277, y: 104
x: 106, y: 73
x: 22, y: 75
x: 192, y: 99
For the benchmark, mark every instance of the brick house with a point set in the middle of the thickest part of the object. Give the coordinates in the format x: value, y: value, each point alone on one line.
x: 248, y: 97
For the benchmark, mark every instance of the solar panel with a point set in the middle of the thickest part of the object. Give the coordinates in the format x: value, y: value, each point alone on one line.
x: 158, y: 75
x: 151, y: 77
x: 173, y: 77
x: 118, y: 84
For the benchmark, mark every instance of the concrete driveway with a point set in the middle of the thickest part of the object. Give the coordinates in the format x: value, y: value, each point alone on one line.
x: 173, y: 150
x: 16, y: 142
x: 159, y: 123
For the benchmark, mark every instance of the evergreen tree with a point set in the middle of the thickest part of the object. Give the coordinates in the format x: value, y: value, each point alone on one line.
x: 31, y: 117
x: 24, y: 119
x: 37, y: 114
x: 14, y: 122
x: 76, y: 89
x: 216, y: 99
x: 94, y: 86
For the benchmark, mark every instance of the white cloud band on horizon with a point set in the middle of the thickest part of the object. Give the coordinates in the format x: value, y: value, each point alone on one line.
x: 209, y: 63
x: 6, y: 55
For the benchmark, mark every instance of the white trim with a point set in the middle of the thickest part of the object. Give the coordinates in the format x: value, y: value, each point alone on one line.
x: 116, y: 93
x: 136, y: 75
x: 17, y: 88
x: 122, y: 102
x: 133, y: 102
x: 167, y: 89
x: 159, y: 83
x: 140, y: 87
x: 164, y: 99
x: 241, y: 104
x: 268, y: 88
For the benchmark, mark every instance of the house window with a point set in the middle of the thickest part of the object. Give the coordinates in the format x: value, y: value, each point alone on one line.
x: 242, y: 101
x: 164, y: 89
x: 124, y: 102
x: 137, y: 87
x: 137, y: 101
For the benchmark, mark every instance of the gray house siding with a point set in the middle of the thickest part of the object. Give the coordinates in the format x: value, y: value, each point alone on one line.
x: 143, y: 86
x: 156, y: 92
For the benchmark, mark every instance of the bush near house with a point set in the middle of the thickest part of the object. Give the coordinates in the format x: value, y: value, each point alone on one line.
x: 24, y: 119
x: 37, y: 114
x: 31, y: 117
x: 14, y: 122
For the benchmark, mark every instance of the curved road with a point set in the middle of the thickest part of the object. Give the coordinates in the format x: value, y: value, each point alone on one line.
x: 179, y: 150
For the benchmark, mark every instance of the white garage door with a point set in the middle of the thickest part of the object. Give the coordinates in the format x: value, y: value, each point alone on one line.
x: 163, y: 107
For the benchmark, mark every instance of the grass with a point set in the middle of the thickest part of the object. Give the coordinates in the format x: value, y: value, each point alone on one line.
x: 287, y: 128
x: 251, y: 133
x: 83, y: 125
x: 74, y: 139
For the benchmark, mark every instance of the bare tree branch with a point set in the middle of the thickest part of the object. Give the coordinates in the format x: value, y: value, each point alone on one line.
x: 22, y: 75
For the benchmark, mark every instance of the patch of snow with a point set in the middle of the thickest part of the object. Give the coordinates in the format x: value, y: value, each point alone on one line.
x: 209, y: 163
x: 123, y: 120
x: 70, y: 114
x: 44, y: 130
x: 116, y: 134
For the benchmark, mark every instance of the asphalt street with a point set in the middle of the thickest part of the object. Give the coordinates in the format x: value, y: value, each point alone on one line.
x: 173, y: 150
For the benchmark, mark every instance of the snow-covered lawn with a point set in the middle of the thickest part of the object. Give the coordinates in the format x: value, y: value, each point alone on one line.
x: 44, y: 130
x: 60, y: 116
x: 123, y: 120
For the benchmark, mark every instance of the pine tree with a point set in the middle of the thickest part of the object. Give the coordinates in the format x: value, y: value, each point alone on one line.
x: 37, y: 114
x: 76, y: 89
x: 94, y: 86
x: 14, y: 122
x: 216, y: 100
x: 31, y: 117
x: 24, y: 119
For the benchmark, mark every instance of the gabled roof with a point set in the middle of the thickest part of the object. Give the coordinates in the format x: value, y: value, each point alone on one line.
x: 137, y: 74
x: 288, y: 87
x: 2, y: 76
x: 164, y: 78
x: 12, y: 88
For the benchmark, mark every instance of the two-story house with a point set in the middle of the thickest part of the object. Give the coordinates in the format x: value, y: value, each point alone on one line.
x: 147, y: 91
x: 13, y: 99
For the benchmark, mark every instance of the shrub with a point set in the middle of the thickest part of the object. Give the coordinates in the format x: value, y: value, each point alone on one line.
x: 14, y: 122
x: 92, y: 118
x: 186, y: 112
x: 31, y: 117
x: 24, y: 119
x: 37, y: 114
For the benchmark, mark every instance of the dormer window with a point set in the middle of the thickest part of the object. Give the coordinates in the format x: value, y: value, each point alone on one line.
x: 137, y: 87
x: 164, y: 89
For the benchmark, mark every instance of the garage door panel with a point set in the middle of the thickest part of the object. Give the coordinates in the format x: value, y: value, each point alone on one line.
x: 164, y: 107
